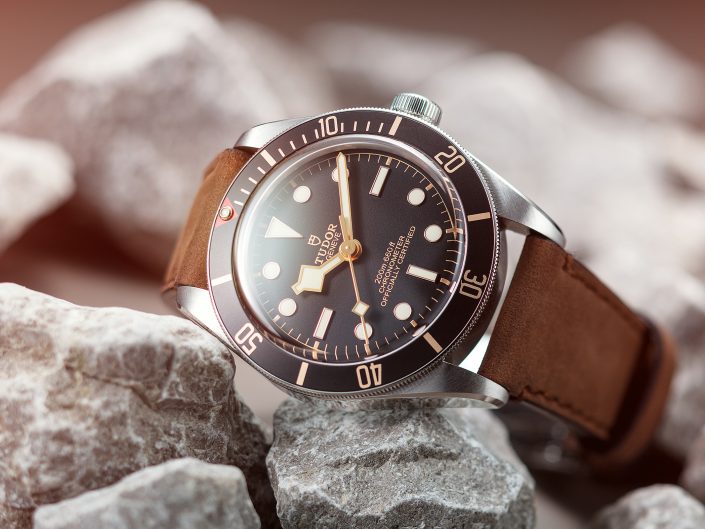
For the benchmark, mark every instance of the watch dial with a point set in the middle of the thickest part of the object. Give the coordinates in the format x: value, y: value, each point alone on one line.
x: 354, y: 251
x: 334, y: 298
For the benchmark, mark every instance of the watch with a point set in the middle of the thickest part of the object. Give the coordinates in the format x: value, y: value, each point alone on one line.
x: 359, y: 256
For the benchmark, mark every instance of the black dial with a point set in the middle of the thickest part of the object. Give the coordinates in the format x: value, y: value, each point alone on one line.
x: 347, y: 286
x: 331, y: 306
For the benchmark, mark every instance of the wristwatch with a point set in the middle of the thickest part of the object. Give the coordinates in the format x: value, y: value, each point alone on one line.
x: 359, y: 256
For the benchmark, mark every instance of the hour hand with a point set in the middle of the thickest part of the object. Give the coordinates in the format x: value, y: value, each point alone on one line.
x: 311, y: 277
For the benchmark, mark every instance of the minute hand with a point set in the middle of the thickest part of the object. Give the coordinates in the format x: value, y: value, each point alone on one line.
x: 344, y: 192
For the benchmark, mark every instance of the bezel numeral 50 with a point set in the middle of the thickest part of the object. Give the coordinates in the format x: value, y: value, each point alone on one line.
x: 248, y: 338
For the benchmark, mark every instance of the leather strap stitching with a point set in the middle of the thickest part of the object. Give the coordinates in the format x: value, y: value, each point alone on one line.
x: 567, y: 407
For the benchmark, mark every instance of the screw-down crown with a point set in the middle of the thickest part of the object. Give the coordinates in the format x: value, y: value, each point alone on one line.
x: 417, y: 105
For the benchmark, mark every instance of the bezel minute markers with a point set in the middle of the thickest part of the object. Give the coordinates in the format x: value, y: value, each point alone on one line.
x: 380, y: 187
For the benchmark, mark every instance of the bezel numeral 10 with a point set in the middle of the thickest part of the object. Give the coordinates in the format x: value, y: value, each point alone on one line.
x: 329, y: 126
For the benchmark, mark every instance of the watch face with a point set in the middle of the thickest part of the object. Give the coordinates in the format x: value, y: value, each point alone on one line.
x: 362, y: 246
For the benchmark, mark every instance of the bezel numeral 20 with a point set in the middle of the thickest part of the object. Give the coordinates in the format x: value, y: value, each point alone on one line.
x: 451, y: 161
x: 369, y: 375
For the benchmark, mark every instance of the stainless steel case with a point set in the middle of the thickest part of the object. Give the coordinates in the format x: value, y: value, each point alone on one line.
x: 445, y: 382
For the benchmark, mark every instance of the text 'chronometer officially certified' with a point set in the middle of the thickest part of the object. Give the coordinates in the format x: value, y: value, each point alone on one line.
x: 360, y: 256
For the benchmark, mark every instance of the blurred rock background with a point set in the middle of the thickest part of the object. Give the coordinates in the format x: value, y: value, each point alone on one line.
x: 595, y: 111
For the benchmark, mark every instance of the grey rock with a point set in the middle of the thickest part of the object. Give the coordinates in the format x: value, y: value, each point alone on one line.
x: 142, y: 100
x: 631, y: 68
x: 371, y: 63
x: 438, y: 468
x: 35, y: 177
x: 684, y: 150
x: 693, y: 478
x: 288, y: 69
x: 88, y: 396
x: 655, y: 507
x: 179, y: 494
x: 15, y: 518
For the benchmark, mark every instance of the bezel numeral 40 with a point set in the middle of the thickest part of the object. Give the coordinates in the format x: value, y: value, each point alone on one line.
x: 369, y: 375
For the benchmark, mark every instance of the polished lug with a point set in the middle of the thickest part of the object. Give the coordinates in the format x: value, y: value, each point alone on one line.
x: 451, y: 381
x: 518, y: 212
x: 195, y: 304
x: 255, y: 138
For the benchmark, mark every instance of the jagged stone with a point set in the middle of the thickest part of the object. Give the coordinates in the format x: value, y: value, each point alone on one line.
x: 88, y: 396
x: 142, y: 99
x: 180, y: 494
x: 655, y: 507
x: 442, y: 468
x: 35, y: 177
x: 631, y: 68
x: 693, y: 477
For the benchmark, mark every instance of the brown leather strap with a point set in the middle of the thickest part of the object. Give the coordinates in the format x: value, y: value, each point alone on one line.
x: 564, y: 342
x: 188, y: 262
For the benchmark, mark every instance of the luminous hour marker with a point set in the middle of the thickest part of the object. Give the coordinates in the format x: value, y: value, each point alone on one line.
x: 279, y: 230
x: 334, y: 174
x: 433, y: 233
x: 360, y: 308
x: 268, y: 157
x: 395, y: 126
x: 402, y: 311
x: 360, y: 334
x: 422, y: 273
x: 302, y: 374
x: 479, y: 216
x: 323, y: 323
x: 287, y: 307
x: 381, y: 177
x: 271, y: 270
x: 416, y: 196
x: 432, y: 342
x: 302, y: 194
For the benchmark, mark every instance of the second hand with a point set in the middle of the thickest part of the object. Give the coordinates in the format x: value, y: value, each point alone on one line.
x: 362, y: 318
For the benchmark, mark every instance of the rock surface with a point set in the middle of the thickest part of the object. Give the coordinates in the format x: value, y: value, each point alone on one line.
x: 632, y: 68
x: 441, y: 468
x: 655, y: 507
x: 142, y: 116
x: 179, y: 494
x: 88, y: 396
x: 693, y: 477
x: 35, y: 177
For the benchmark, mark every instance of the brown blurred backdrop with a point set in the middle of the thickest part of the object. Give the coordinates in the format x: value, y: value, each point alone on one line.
x: 539, y: 30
